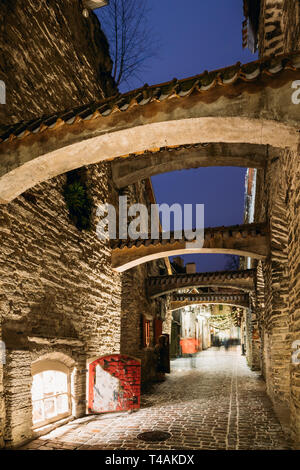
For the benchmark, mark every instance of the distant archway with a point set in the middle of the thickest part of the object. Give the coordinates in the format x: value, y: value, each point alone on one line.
x: 232, y: 299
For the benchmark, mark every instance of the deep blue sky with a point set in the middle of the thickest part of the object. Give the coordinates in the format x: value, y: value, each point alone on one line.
x: 195, y: 35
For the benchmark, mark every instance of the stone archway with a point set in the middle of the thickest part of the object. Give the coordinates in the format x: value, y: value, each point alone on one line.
x: 237, y: 280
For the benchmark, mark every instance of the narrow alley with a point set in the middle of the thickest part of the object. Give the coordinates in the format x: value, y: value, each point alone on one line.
x: 213, y: 401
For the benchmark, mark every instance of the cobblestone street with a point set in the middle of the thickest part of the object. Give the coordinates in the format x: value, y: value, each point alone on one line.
x: 211, y: 402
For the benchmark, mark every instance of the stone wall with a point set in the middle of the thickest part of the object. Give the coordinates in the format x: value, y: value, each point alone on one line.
x: 279, y: 30
x: 52, y: 58
x: 277, y: 201
x: 167, y: 325
x: 59, y: 294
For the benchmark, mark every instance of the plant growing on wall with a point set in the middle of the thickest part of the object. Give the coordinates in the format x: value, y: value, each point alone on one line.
x: 78, y: 200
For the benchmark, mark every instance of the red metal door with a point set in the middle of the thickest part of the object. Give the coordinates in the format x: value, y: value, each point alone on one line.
x: 114, y: 384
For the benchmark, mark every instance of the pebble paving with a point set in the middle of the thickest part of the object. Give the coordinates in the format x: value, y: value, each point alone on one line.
x: 212, y: 402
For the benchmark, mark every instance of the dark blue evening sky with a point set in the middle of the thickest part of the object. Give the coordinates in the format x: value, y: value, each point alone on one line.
x: 193, y: 36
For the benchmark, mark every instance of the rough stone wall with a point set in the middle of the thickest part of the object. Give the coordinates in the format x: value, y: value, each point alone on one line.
x: 277, y: 283
x: 56, y: 284
x: 58, y: 293
x: 279, y: 30
x: 52, y: 58
x: 278, y: 202
x: 291, y: 25
x: 254, y: 351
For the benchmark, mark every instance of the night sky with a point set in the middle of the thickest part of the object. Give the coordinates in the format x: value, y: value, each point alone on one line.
x: 194, y: 36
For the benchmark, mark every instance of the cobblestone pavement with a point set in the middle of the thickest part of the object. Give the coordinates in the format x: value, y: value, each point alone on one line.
x: 212, y: 402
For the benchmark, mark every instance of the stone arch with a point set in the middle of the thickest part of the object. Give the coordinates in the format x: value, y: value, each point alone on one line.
x: 55, y: 357
x: 239, y: 104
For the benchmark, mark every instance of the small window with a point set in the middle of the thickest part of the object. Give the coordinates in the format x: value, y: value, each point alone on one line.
x: 50, y: 396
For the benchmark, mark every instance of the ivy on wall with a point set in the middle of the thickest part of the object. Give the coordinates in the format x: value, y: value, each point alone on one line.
x: 78, y: 200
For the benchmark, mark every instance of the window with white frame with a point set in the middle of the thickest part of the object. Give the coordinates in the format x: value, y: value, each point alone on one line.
x: 51, y: 397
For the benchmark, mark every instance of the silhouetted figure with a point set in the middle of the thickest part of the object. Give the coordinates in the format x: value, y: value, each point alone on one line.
x: 163, y: 360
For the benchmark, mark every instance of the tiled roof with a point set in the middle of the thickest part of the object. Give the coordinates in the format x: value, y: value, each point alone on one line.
x: 253, y: 72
